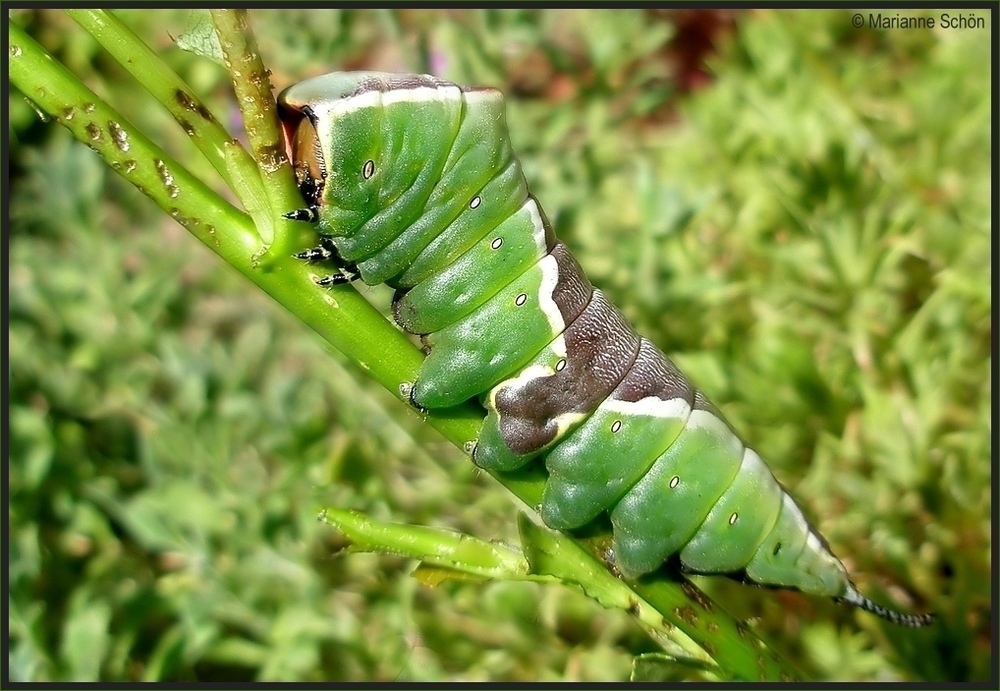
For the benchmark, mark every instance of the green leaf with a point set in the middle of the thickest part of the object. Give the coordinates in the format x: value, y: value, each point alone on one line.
x: 199, y: 37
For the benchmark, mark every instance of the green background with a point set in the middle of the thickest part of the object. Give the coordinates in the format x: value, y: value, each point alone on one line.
x: 801, y: 222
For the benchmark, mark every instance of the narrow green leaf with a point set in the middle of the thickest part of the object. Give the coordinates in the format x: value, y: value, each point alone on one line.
x: 438, y: 547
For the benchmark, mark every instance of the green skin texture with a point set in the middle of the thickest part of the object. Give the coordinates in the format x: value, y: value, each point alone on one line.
x: 422, y: 191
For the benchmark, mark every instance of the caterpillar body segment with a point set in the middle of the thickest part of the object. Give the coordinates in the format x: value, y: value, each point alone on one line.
x: 413, y: 182
x: 502, y: 254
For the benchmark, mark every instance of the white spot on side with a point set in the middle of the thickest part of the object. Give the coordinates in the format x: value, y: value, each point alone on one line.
x: 732, y: 519
x: 674, y: 481
x: 497, y: 242
x: 616, y: 426
x: 476, y: 201
x: 369, y: 169
x: 520, y: 299
x: 561, y: 365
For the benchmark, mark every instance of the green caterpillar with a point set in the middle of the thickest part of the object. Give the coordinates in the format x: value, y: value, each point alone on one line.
x: 412, y: 182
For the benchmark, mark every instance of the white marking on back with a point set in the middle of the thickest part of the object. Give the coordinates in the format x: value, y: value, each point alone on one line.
x: 483, y: 95
x: 793, y: 509
x: 813, y: 543
x: 368, y: 99
x: 537, y: 225
x: 550, y: 278
x: 558, y: 348
x: 528, y: 374
x: 342, y: 106
x: 651, y: 406
x: 422, y: 94
x: 566, y: 421
x: 702, y: 419
x: 753, y: 463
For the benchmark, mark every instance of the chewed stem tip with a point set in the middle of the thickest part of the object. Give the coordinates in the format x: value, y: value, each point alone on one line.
x: 853, y: 597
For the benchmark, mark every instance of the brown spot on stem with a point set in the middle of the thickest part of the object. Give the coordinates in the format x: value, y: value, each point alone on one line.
x: 687, y: 615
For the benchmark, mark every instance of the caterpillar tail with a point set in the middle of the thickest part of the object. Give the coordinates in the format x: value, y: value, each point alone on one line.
x: 853, y: 597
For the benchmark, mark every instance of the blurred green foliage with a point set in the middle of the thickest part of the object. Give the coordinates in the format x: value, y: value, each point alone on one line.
x: 806, y: 234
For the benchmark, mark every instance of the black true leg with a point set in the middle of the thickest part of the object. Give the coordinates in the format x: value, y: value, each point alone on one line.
x: 327, y: 251
x: 309, y: 215
x: 345, y: 276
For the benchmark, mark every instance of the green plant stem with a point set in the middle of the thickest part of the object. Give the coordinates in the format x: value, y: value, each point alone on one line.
x: 252, y: 84
x: 155, y: 75
x: 58, y: 92
x: 224, y: 152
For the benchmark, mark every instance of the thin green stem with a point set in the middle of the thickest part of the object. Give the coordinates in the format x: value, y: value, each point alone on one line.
x: 252, y: 84
x: 224, y: 152
x: 156, y: 76
x: 58, y: 92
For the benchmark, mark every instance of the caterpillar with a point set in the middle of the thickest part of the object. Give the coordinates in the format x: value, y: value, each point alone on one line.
x: 507, y: 315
